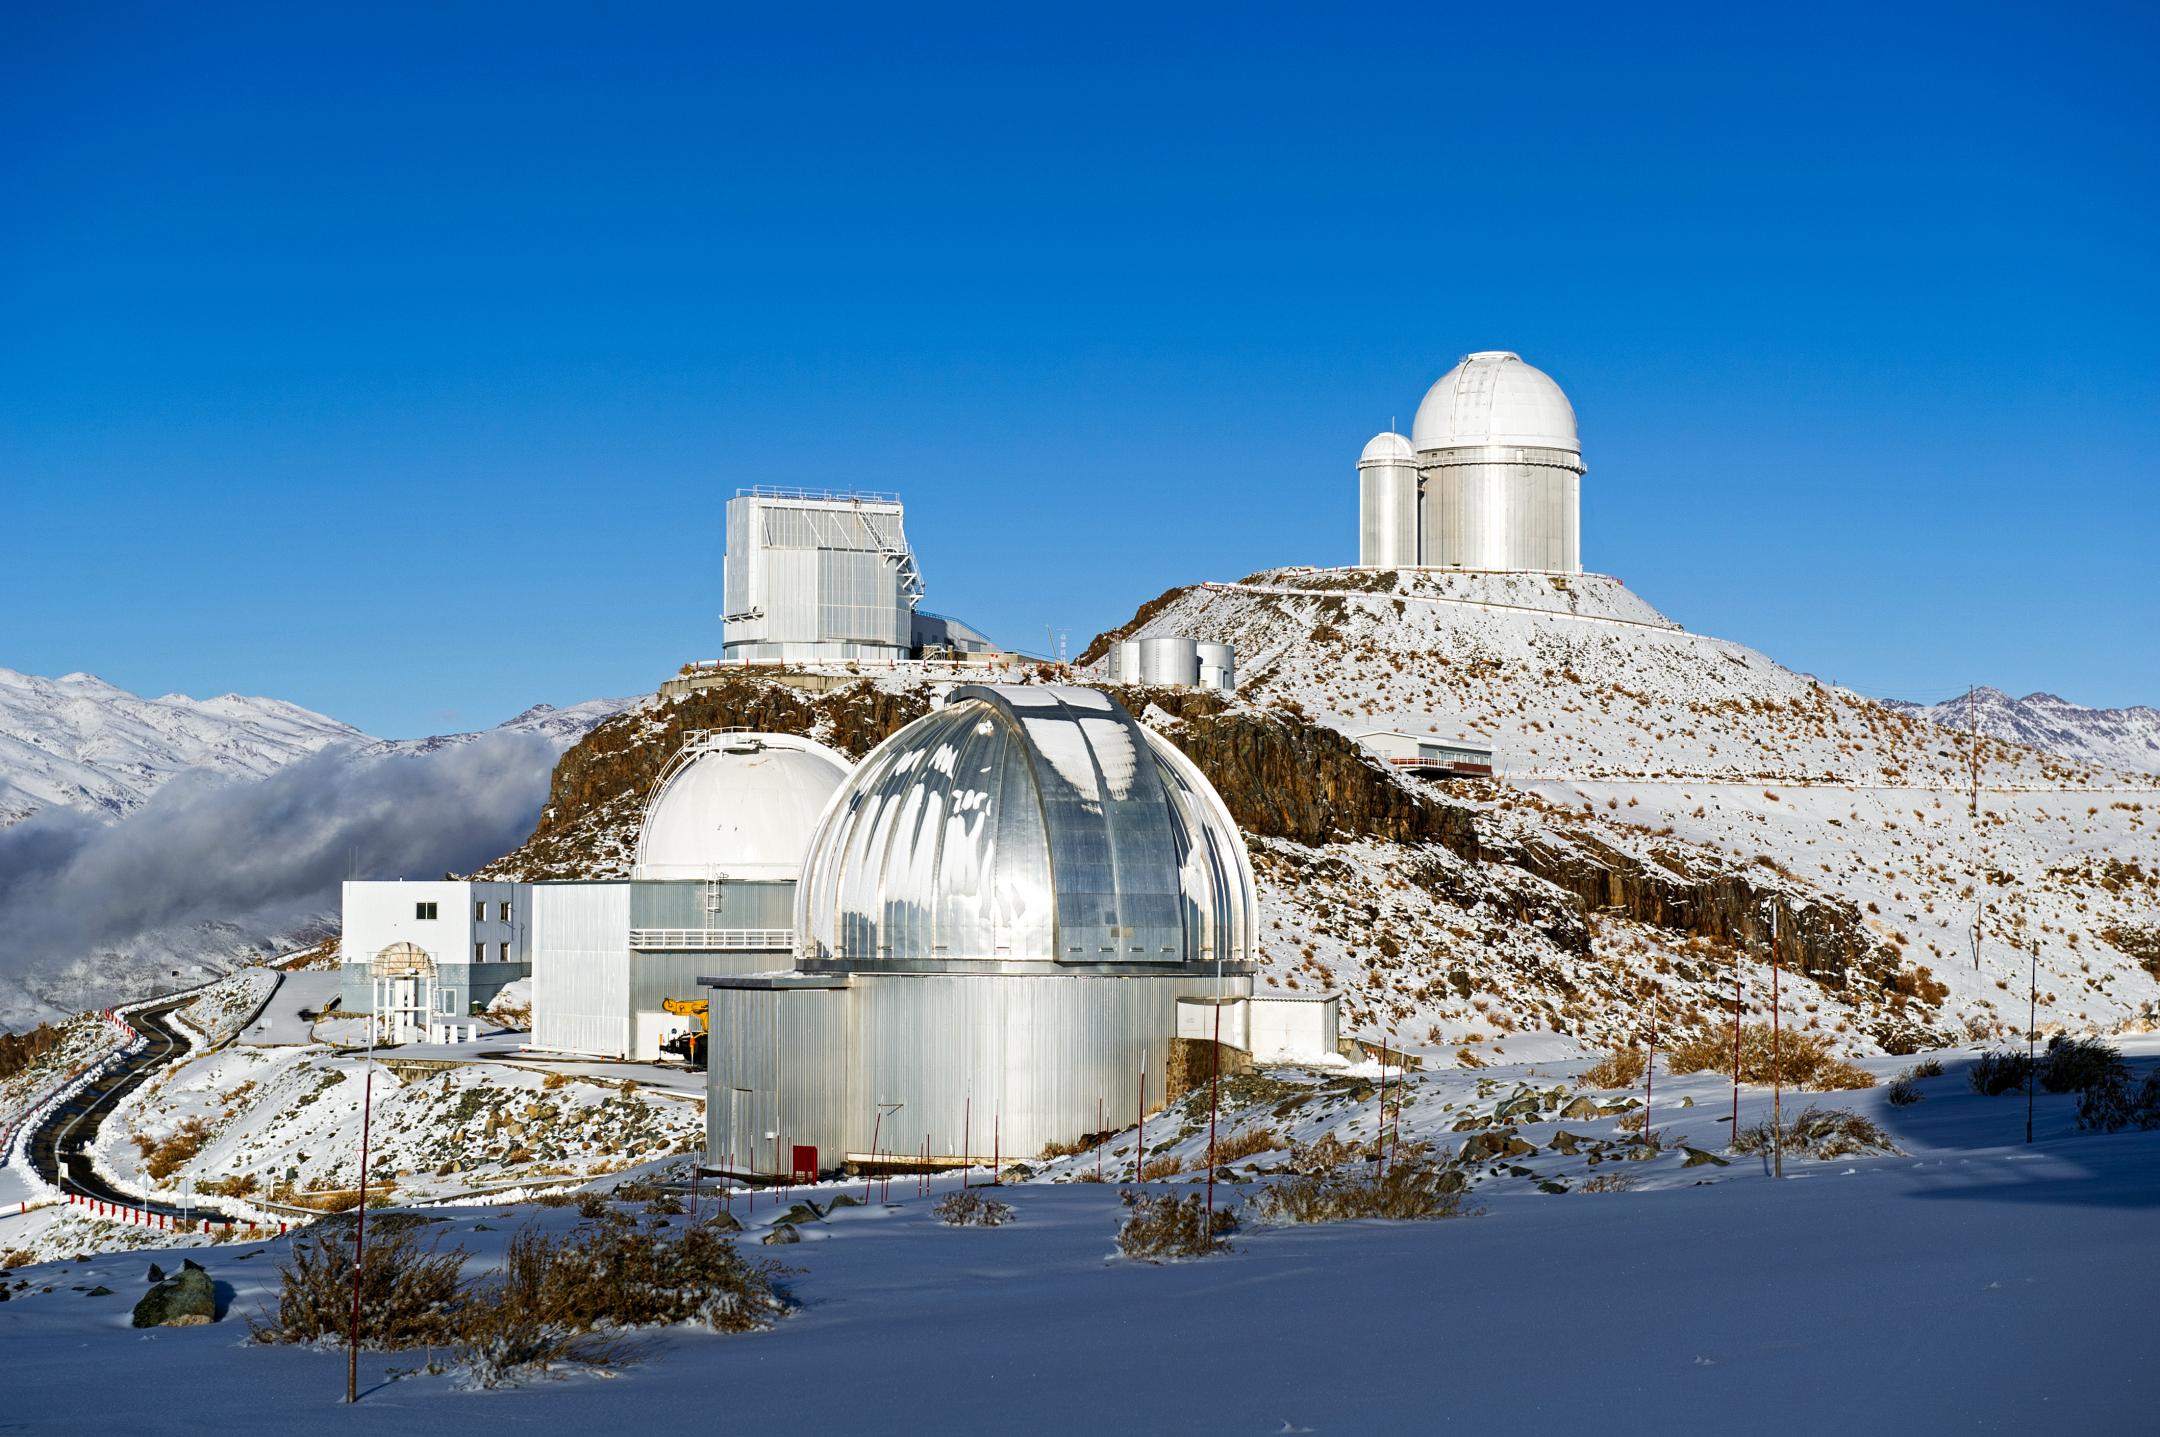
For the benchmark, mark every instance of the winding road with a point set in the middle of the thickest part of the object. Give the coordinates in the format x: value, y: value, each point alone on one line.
x: 57, y: 1146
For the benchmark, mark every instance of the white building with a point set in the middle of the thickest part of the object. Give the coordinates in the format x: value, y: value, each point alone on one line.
x: 476, y: 934
x: 818, y: 577
x: 1490, y: 476
x: 712, y: 890
x: 1428, y: 753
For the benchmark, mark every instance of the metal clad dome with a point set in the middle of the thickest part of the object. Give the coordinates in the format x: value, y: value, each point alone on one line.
x: 737, y: 805
x: 1387, y: 448
x: 1026, y: 823
x: 1492, y: 397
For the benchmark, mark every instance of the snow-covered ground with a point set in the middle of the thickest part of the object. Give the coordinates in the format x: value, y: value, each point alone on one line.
x: 1966, y: 1283
x: 1612, y: 726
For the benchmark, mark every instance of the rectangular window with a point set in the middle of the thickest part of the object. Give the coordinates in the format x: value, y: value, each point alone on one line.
x: 479, y: 952
x: 479, y: 911
x: 505, y: 949
x: 506, y: 910
x: 423, y: 910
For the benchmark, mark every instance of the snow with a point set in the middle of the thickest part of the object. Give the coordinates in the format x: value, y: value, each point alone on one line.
x: 79, y: 742
x: 1969, y: 1283
x: 1613, y: 726
x: 2127, y: 738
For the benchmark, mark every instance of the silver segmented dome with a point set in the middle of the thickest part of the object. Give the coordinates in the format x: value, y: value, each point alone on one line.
x: 1025, y: 823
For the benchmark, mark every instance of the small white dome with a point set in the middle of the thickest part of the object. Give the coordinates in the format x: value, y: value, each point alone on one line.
x: 1387, y: 448
x: 738, y: 805
x: 1492, y: 397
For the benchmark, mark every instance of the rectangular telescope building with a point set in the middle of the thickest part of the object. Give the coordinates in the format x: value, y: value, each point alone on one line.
x: 818, y: 577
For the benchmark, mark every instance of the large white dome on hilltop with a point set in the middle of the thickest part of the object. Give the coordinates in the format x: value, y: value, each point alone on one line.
x: 1492, y: 397
x: 738, y: 805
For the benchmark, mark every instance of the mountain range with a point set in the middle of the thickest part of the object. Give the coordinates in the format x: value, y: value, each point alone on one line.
x: 2127, y: 738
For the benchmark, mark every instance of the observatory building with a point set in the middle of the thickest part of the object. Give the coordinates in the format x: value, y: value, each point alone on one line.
x: 712, y: 890
x: 999, y: 912
x: 1490, y: 476
x: 818, y: 577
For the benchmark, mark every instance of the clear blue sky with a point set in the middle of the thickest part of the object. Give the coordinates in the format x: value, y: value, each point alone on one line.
x: 398, y: 362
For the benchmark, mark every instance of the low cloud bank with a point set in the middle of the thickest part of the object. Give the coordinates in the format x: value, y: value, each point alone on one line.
x: 264, y: 854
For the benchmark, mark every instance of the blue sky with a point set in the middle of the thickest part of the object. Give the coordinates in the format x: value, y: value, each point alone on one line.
x: 398, y: 362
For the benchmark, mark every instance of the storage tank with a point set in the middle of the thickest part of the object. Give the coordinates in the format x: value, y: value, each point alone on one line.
x: 1127, y: 670
x: 1387, y: 503
x: 1169, y: 662
x: 1501, y: 469
x: 1218, y: 666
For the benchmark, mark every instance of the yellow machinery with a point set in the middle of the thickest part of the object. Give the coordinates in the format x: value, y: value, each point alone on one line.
x: 689, y: 1045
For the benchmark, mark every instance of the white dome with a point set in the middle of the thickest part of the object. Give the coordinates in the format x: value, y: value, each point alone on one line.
x: 738, y: 805
x: 1388, y: 448
x: 1492, y: 397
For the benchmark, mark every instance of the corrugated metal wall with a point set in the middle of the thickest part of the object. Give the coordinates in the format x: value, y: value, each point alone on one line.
x: 680, y: 903
x: 581, y: 968
x: 778, y: 1066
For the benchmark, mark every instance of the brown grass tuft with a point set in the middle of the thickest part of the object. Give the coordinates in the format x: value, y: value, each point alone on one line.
x: 1160, y: 1227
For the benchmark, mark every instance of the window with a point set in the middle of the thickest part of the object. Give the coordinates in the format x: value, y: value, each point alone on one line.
x: 423, y: 910
x: 479, y: 952
x: 506, y: 910
x: 479, y: 910
x: 505, y: 951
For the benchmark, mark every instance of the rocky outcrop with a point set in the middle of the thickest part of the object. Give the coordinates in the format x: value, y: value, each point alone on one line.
x: 186, y: 1299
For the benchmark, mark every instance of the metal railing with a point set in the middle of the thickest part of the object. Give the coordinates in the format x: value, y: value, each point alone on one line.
x: 713, y: 940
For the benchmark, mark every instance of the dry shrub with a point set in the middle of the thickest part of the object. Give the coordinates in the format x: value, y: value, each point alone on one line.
x: 1086, y: 1142
x: 1620, y: 1068
x: 1160, y: 1227
x: 238, y: 1185
x: 1904, y: 1090
x: 2108, y: 1107
x: 1613, y: 1182
x: 408, y: 1293
x: 1161, y: 1169
x: 968, y: 1208
x: 1926, y: 1068
x: 554, y: 1081
x: 1800, y: 1059
x: 162, y: 1161
x: 1819, y: 1133
x: 2074, y: 1065
x: 565, y: 1299
x: 17, y: 1257
x: 1412, y: 1187
x: 1245, y: 1143
x: 1993, y: 1074
x: 1326, y: 1153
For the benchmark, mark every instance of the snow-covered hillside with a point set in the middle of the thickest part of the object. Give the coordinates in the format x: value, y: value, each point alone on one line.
x: 79, y: 742
x: 1629, y: 747
x: 2119, y: 738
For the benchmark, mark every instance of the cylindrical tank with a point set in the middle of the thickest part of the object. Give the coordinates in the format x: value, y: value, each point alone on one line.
x: 1169, y: 661
x: 1218, y: 666
x: 1388, y: 516
x: 1501, y: 468
x: 1127, y: 670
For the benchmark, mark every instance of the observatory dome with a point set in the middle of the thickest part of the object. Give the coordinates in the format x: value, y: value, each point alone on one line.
x: 737, y: 805
x: 1492, y: 397
x: 1026, y: 823
x: 1388, y: 448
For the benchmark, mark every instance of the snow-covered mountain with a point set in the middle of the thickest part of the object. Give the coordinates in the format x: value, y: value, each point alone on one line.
x: 79, y: 742
x: 2118, y: 738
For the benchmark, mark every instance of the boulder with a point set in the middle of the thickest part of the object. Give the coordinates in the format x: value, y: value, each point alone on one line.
x: 724, y: 1221
x: 781, y: 1235
x: 157, y: 1274
x: 1696, y: 1157
x: 185, y: 1300
x: 1581, y: 1108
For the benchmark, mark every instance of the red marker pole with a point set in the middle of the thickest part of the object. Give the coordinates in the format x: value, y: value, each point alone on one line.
x: 352, y: 1336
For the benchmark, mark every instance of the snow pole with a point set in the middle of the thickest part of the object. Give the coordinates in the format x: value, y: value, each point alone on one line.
x: 967, y: 1139
x: 1100, y: 1140
x: 1736, y: 1045
x: 1777, y: 1062
x: 1649, y: 1072
x: 352, y: 1336
x: 1214, y: 1103
x: 2032, y: 1034
x: 874, y: 1129
x: 997, y: 1155
x: 1380, y: 1136
x: 1139, y: 1145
